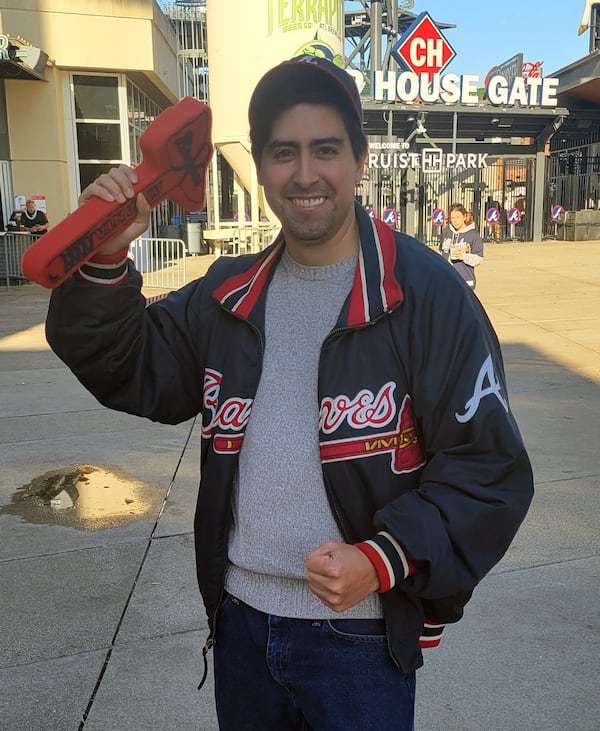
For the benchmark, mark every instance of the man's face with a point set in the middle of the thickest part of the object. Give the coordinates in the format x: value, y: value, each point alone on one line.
x: 309, y: 174
x: 30, y: 205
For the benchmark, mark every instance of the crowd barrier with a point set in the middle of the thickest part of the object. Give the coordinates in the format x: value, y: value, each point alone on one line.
x: 161, y: 261
x: 12, y: 248
x: 240, y: 239
x: 250, y: 239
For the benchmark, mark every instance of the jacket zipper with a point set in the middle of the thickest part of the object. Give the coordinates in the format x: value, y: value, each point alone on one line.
x: 330, y: 497
x: 330, y: 336
x: 211, y: 640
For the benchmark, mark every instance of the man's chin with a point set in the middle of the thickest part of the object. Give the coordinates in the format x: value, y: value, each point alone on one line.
x: 306, y: 237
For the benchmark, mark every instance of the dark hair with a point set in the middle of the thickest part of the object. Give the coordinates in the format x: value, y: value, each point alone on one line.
x: 305, y: 80
x: 261, y: 133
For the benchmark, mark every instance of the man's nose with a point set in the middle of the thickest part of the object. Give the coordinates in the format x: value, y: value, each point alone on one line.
x: 305, y: 173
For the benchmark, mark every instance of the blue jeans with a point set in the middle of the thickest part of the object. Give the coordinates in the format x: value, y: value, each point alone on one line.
x: 279, y: 674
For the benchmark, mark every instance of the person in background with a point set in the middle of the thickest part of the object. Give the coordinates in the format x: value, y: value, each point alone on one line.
x: 31, y: 219
x: 495, y: 230
x: 361, y: 469
x: 461, y: 244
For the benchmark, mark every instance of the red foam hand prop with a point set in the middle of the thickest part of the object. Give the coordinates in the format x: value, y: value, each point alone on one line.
x: 176, y: 149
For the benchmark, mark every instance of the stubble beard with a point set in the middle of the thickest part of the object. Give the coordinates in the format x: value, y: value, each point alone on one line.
x: 309, y: 234
x: 298, y: 224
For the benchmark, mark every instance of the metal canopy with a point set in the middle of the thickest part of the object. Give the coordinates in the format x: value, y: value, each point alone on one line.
x: 12, y: 69
x: 580, y: 82
x: 445, y: 125
x: 579, y: 90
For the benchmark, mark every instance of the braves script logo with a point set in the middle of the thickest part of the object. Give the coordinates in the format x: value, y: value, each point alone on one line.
x: 366, y: 410
x: 481, y: 391
x: 232, y: 415
x: 362, y: 411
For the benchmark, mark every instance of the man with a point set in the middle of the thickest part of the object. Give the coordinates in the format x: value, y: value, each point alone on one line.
x: 361, y: 469
x: 33, y: 220
x: 495, y: 229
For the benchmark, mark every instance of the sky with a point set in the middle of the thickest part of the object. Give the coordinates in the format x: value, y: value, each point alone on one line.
x: 491, y: 31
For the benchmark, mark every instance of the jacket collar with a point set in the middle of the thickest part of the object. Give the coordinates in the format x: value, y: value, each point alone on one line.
x: 375, y: 289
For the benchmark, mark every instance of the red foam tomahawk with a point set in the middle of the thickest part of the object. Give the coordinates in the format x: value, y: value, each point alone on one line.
x: 176, y: 149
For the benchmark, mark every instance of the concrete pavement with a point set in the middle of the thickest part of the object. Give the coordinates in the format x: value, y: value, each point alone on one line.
x: 102, y: 628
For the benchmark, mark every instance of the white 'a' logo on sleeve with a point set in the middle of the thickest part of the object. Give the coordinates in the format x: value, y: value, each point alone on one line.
x: 481, y: 390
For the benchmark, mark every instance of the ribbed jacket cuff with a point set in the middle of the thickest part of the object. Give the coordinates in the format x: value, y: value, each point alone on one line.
x: 432, y: 635
x: 389, y: 559
x: 107, y: 269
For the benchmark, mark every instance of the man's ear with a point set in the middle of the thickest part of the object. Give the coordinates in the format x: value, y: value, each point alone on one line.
x: 361, y: 166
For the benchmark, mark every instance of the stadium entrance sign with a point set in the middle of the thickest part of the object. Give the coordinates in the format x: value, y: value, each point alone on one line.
x: 409, y: 87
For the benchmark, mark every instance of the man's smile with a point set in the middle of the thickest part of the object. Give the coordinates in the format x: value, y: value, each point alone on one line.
x: 308, y: 202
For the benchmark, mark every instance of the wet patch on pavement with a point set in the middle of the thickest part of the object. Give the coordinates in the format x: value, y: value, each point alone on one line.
x: 86, y: 497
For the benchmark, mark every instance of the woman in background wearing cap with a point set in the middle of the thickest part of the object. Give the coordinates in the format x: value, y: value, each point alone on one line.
x: 357, y: 478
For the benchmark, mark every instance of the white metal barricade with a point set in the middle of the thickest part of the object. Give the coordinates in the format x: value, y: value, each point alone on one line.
x: 162, y: 262
x: 12, y: 248
x: 250, y: 239
x: 240, y: 239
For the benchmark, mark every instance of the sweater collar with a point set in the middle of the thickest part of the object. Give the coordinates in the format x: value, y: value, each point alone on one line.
x: 375, y: 289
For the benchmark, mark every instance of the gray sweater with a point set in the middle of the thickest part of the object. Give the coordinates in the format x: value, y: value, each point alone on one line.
x: 280, y: 508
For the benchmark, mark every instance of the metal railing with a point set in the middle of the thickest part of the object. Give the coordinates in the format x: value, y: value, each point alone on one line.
x: 250, y: 239
x: 12, y: 248
x: 162, y: 262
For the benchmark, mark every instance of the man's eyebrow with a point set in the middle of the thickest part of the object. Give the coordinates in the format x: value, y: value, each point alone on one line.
x: 313, y: 143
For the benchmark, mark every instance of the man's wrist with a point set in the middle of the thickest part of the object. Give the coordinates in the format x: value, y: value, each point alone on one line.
x: 389, y: 559
x: 108, y: 269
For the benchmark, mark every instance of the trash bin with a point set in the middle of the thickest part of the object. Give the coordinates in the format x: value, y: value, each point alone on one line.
x: 195, y: 240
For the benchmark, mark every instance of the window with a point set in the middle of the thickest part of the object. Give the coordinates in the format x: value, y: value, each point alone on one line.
x: 111, y: 113
x: 97, y: 141
x: 96, y: 97
x: 142, y: 111
x: 98, y: 125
